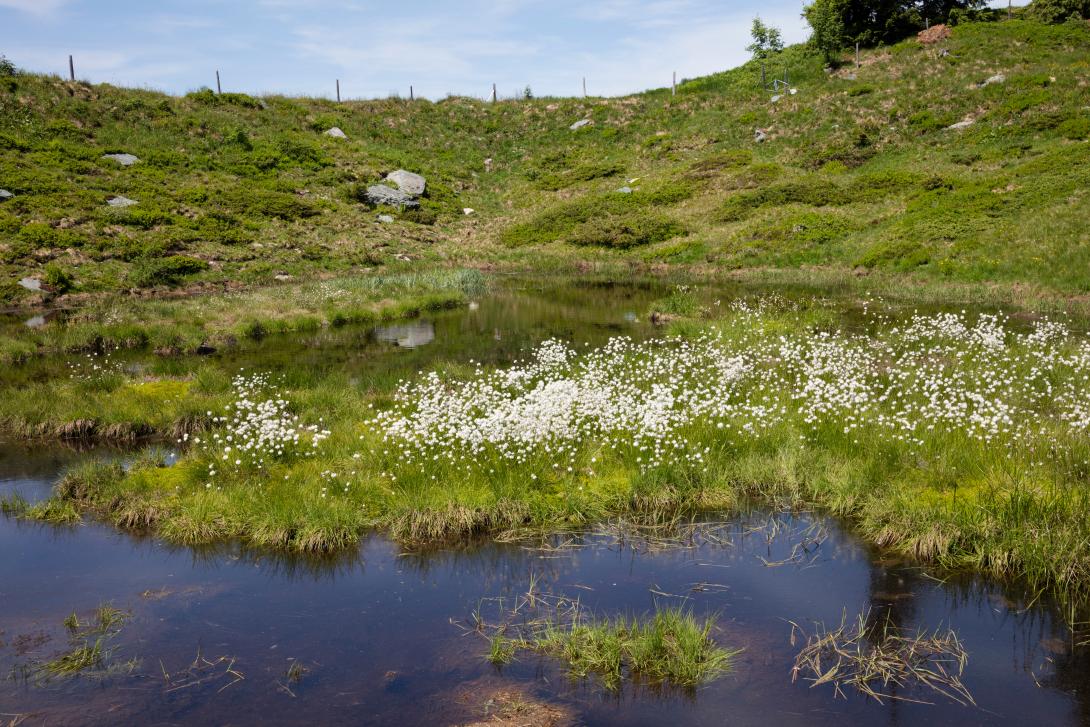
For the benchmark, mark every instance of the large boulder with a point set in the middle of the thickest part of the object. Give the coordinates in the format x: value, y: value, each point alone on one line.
x: 125, y: 160
x: 381, y: 194
x: 5, y: 195
x: 409, y: 183
x: 336, y: 133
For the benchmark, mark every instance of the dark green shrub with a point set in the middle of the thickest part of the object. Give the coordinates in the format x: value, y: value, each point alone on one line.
x: 39, y: 235
x: 626, y: 231
x: 420, y: 215
x: 57, y: 278
x: 1057, y: 11
x: 1077, y: 128
x: 166, y: 271
x: 267, y: 203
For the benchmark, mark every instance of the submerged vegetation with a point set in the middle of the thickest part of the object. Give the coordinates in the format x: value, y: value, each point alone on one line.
x: 882, y: 661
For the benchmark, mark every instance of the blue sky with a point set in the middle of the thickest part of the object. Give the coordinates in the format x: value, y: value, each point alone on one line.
x: 375, y: 48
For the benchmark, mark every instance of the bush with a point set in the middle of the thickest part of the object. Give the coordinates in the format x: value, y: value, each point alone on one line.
x: 207, y: 97
x: 57, y: 279
x: 166, y: 271
x: 625, y: 232
x: 267, y: 203
x: 1058, y: 11
x: 7, y: 68
x: 39, y: 235
x: 1077, y: 128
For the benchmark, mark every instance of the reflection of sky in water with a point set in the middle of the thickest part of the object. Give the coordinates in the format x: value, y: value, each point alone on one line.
x: 356, y: 619
x: 34, y: 322
x: 407, y: 335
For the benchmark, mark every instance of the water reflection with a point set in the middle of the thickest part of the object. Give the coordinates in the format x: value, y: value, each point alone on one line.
x: 407, y: 335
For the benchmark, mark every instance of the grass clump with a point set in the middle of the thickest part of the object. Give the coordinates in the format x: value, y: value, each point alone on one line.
x: 670, y: 647
x: 90, y: 651
x: 623, y: 233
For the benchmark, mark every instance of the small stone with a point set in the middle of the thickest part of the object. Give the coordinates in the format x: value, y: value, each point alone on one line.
x: 336, y: 133
x: 488, y: 165
x: 283, y: 277
x: 31, y: 284
x: 997, y: 78
x: 5, y: 195
x: 960, y: 125
x: 776, y: 98
x: 579, y: 124
x: 760, y: 136
x: 381, y: 194
x: 468, y: 211
x: 624, y: 190
x: 409, y: 183
x: 385, y: 219
x: 205, y: 350
x: 125, y: 160
x: 120, y: 202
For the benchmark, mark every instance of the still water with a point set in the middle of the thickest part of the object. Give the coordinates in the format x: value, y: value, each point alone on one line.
x: 383, y: 635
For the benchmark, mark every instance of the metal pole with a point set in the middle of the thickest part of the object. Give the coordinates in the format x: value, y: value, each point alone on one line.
x: 410, y: 92
x: 857, y: 54
x: 71, y: 68
x: 493, y: 93
x: 218, y: 88
x: 673, y: 86
x: 584, y: 86
x: 338, y: 90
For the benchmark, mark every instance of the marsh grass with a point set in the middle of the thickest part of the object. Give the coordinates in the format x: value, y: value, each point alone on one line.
x: 881, y: 660
x: 91, y: 652
x: 669, y: 648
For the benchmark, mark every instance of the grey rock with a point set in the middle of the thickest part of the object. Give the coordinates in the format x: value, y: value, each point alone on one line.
x: 579, y: 124
x: 385, y: 219
x: 997, y: 78
x: 120, y: 201
x: 409, y: 183
x: 336, y: 133
x: 849, y: 77
x: 31, y: 284
x: 381, y: 194
x: 776, y: 98
x: 283, y: 277
x: 5, y: 194
x: 125, y: 160
x: 625, y: 190
x: 960, y: 125
x: 760, y: 136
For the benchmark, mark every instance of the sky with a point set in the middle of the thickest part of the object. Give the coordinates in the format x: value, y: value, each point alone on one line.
x: 380, y: 48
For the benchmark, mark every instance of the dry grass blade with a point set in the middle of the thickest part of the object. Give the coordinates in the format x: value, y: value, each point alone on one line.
x: 880, y: 660
x: 204, y: 671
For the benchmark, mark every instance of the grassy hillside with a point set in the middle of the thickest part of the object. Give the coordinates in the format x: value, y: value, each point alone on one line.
x: 859, y: 172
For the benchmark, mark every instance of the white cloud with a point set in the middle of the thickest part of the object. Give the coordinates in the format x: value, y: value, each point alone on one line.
x: 42, y: 8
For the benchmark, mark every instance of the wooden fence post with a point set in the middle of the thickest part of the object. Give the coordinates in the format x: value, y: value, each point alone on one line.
x: 857, y: 54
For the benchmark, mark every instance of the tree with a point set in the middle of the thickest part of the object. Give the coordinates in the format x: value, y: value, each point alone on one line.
x: 1057, y: 11
x: 766, y: 40
x: 870, y: 22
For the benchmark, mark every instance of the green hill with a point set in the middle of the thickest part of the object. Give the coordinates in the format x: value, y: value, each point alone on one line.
x: 859, y: 171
